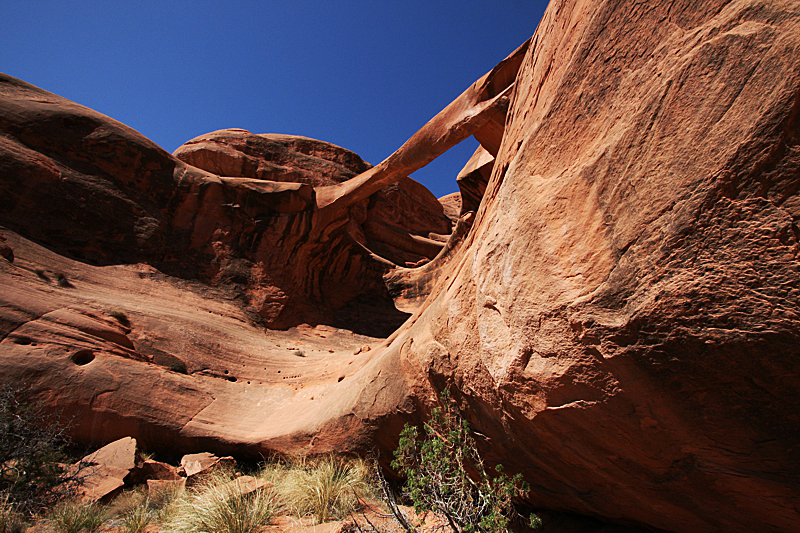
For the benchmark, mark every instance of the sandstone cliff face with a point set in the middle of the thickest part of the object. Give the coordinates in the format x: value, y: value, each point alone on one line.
x: 399, y: 218
x: 623, y: 319
x: 616, y: 310
x: 95, y: 190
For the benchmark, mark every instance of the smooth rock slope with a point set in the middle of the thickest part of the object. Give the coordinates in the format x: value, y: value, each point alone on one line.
x: 615, y: 310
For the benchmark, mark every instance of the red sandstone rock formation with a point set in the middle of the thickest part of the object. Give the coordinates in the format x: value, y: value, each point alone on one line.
x: 473, y: 178
x: 451, y: 203
x: 196, y: 465
x: 623, y: 322
x: 273, y: 157
x: 399, y: 218
x: 95, y: 190
x: 618, y: 319
x: 103, y: 473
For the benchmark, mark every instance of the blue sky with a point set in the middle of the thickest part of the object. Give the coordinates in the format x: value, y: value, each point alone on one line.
x: 363, y: 75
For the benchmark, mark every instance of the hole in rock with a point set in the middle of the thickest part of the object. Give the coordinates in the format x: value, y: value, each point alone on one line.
x: 232, y: 379
x: 82, y: 357
x: 340, y: 379
x: 22, y: 339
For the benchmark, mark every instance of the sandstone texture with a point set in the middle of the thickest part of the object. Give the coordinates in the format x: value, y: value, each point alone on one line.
x: 613, y: 303
x: 451, y: 203
x: 399, y: 218
x: 272, y: 157
x: 158, y: 470
x: 623, y: 322
x: 95, y: 190
x: 198, y: 464
x: 473, y: 178
x: 103, y: 473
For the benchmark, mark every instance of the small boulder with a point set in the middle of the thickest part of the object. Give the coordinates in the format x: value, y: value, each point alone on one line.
x: 156, y: 470
x: 120, y: 454
x: 199, y: 464
x: 102, y: 474
x: 363, y: 349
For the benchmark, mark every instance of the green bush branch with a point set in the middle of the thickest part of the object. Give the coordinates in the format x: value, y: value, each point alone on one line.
x: 437, y: 466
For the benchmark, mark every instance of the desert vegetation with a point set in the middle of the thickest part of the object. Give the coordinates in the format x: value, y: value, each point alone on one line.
x: 308, y: 492
x: 38, y: 488
x: 219, y: 504
x: 32, y: 456
x: 437, y: 464
x: 325, y: 488
x: 71, y: 516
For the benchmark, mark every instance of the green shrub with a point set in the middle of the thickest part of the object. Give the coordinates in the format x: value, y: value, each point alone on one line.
x: 436, y: 467
x: 218, y: 506
x: 75, y: 517
x: 325, y: 488
x: 32, y: 443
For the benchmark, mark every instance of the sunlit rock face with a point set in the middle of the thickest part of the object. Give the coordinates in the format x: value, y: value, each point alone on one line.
x: 622, y: 323
x: 271, y: 157
x: 615, y: 307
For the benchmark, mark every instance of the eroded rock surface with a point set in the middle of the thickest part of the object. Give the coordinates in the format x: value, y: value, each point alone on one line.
x: 617, y: 312
x: 623, y: 323
x: 128, y: 351
x: 272, y: 157
x: 103, y: 473
x: 95, y: 190
x: 399, y: 218
x: 473, y: 179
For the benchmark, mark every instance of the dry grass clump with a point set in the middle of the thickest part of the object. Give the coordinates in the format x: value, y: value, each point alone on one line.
x: 127, y: 502
x: 218, y: 506
x: 326, y: 488
x: 6, y: 514
x: 135, y: 510
x: 76, y: 517
x: 138, y: 518
x: 10, y: 520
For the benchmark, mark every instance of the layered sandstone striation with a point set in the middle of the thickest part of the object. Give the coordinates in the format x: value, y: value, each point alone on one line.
x: 272, y: 157
x: 614, y: 307
x: 94, y: 190
x: 623, y: 320
x: 399, y: 218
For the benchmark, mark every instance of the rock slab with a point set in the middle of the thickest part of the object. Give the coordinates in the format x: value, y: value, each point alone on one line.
x: 102, y: 474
